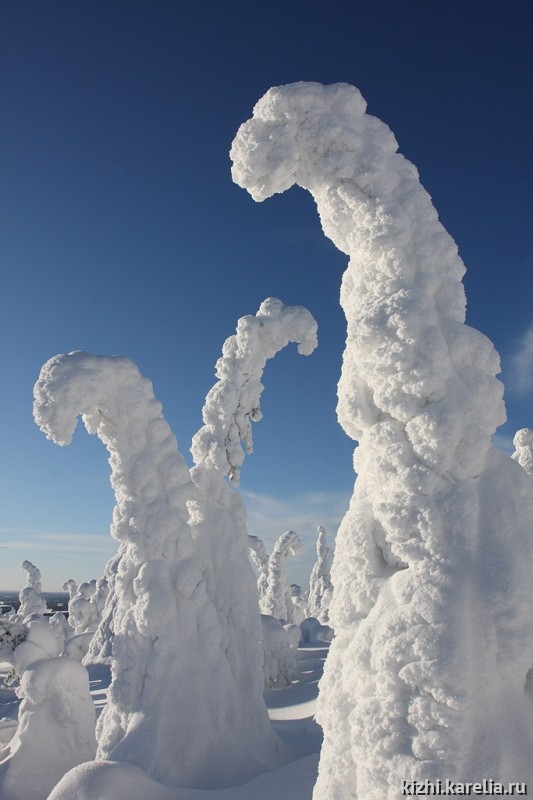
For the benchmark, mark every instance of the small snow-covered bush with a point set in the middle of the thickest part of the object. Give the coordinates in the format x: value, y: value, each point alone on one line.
x: 55, y: 731
x: 279, y: 654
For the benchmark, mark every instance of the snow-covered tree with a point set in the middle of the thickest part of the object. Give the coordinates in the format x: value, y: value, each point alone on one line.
x: 174, y: 708
x: 432, y: 569
x: 259, y: 557
x: 278, y: 602
x: 523, y: 443
x: 82, y: 611
x: 320, y: 581
x: 31, y: 599
x: 218, y: 449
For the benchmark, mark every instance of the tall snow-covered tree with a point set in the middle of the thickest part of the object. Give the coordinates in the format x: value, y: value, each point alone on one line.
x: 320, y: 585
x: 432, y: 568
x: 174, y: 708
x: 278, y: 602
x: 218, y: 450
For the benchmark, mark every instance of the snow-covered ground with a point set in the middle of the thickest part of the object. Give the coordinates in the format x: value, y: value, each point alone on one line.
x: 291, y: 711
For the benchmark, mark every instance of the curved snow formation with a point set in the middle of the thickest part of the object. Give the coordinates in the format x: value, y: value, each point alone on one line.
x: 218, y: 513
x: 233, y: 403
x: 174, y: 708
x: 432, y: 591
x: 320, y: 580
x: 277, y: 602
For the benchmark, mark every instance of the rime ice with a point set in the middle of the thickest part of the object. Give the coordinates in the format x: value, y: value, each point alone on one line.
x: 432, y: 590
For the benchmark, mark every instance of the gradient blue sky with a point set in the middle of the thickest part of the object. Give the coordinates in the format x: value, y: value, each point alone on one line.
x: 122, y: 232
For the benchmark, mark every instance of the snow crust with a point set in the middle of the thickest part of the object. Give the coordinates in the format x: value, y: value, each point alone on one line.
x: 432, y: 589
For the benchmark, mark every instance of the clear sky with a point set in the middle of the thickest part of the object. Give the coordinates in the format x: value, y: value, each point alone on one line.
x: 122, y: 232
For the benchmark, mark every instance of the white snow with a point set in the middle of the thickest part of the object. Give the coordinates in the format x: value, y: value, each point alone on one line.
x: 432, y: 570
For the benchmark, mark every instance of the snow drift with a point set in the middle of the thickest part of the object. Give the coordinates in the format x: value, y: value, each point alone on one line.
x: 432, y: 570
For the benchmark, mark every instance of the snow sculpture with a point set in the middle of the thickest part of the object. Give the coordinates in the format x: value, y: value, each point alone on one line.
x: 259, y: 556
x: 278, y: 602
x: 432, y: 590
x: 55, y: 731
x: 320, y: 586
x: 31, y: 600
x: 219, y: 529
x: 173, y: 709
x: 523, y: 442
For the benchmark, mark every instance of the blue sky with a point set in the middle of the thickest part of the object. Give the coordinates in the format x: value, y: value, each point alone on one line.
x: 122, y: 232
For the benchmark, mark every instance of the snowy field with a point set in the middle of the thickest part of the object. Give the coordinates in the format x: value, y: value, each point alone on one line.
x: 291, y: 711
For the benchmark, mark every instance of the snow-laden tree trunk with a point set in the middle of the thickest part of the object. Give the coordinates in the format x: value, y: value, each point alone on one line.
x: 174, y: 706
x: 218, y: 449
x: 320, y: 580
x: 277, y: 602
x: 432, y: 569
